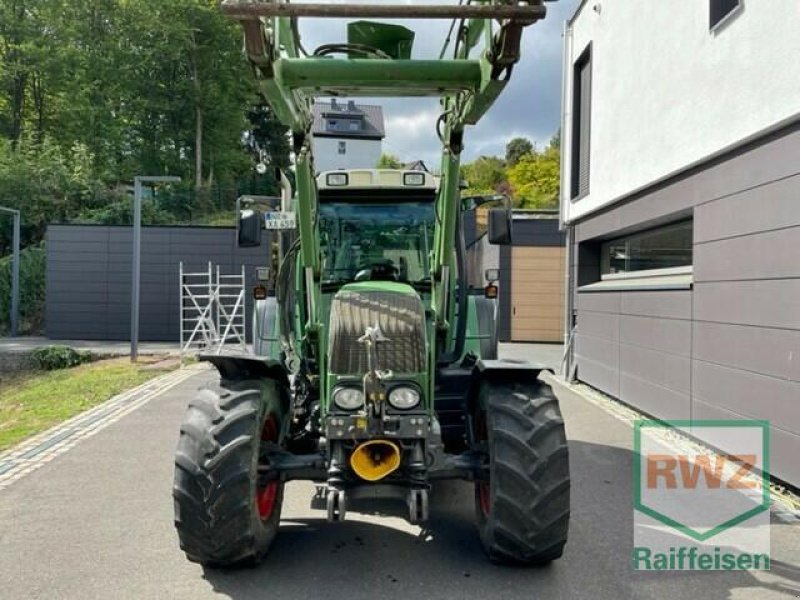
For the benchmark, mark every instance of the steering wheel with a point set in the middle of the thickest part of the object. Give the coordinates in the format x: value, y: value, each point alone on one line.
x: 383, y: 270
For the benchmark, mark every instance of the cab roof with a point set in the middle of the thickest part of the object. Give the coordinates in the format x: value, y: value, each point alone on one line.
x: 366, y: 179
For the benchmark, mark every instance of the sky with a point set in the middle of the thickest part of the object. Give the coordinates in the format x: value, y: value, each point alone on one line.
x: 529, y: 106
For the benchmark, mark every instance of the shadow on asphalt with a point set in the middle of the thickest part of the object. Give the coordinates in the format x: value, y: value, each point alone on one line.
x: 355, y: 559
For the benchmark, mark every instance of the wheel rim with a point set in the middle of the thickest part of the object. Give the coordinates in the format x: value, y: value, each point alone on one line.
x: 483, y: 488
x: 267, y: 495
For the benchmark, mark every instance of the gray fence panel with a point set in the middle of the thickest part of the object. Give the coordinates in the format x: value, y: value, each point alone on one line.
x: 89, y: 277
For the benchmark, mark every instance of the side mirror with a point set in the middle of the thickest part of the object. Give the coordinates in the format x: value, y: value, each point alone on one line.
x: 249, y: 228
x: 500, y: 226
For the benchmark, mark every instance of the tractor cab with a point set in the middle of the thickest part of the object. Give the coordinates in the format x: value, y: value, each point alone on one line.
x: 376, y: 225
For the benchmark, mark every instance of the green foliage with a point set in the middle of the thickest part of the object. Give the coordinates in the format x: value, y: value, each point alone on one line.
x: 389, y: 161
x: 46, y: 183
x: 530, y: 178
x: 31, y: 288
x: 536, y: 179
x: 51, y: 358
x: 120, y: 212
x: 516, y: 149
x: 268, y: 138
x: 483, y: 176
x: 94, y: 93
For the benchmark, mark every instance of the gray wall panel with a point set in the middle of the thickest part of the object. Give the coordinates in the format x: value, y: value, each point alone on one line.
x: 89, y: 277
x: 768, y: 255
x: 537, y: 232
x: 604, y: 302
x: 765, y: 303
x: 653, y: 399
x: 663, y: 369
x: 784, y: 446
x: 745, y: 213
x: 673, y: 304
x: 748, y: 394
x: 89, y: 234
x: 598, y: 324
x: 504, y: 316
x: 599, y: 374
x: 666, y: 335
x: 777, y: 350
x: 597, y: 349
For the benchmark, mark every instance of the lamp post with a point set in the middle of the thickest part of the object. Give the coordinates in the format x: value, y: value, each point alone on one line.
x: 14, y: 316
x: 137, y: 253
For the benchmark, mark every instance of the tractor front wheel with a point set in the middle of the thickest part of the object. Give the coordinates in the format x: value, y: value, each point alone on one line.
x: 225, y: 514
x: 522, y: 503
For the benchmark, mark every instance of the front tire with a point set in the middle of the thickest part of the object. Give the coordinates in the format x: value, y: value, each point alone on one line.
x: 224, y: 515
x: 523, y: 508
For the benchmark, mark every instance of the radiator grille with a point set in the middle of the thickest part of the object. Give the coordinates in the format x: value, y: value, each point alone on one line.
x: 401, y: 318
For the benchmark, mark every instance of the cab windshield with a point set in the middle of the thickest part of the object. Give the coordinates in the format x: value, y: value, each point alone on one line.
x: 376, y: 241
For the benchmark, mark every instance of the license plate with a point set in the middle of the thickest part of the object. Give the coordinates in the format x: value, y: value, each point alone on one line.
x: 279, y: 220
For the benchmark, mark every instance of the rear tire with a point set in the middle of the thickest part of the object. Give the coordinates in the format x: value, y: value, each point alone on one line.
x: 223, y: 515
x: 523, y: 509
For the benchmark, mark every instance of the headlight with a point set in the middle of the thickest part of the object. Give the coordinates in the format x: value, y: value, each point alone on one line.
x: 404, y: 397
x: 348, y: 398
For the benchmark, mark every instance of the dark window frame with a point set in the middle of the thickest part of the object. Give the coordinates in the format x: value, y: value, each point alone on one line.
x: 719, y: 11
x: 581, y: 126
x: 629, y: 241
x: 342, y: 147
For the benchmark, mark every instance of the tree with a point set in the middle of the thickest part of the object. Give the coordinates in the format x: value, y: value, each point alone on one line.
x: 516, y: 149
x: 536, y: 178
x: 483, y: 176
x: 268, y: 138
x: 389, y: 161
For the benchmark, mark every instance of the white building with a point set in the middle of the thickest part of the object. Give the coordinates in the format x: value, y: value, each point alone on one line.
x: 346, y: 135
x: 681, y: 197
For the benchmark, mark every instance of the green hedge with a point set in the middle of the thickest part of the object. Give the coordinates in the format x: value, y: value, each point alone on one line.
x: 33, y: 261
x: 51, y: 358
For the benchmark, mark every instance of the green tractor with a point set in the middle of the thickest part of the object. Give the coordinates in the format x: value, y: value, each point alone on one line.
x: 375, y: 368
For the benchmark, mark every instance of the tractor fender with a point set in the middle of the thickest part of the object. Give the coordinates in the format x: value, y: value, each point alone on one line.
x: 501, y: 370
x: 238, y: 367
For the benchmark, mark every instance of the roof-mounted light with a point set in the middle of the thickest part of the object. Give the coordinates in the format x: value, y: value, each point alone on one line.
x: 336, y: 179
x: 414, y: 179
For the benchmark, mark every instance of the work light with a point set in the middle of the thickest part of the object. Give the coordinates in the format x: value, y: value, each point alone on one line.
x: 414, y: 179
x: 404, y: 397
x: 348, y: 398
x: 336, y: 179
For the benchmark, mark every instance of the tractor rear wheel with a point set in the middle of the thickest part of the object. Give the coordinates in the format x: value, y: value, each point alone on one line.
x: 225, y: 515
x: 523, y: 507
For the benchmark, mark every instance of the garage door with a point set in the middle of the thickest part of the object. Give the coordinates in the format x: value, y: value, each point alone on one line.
x: 537, y: 293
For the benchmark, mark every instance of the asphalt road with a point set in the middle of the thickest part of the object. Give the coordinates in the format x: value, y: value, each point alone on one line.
x: 96, y: 522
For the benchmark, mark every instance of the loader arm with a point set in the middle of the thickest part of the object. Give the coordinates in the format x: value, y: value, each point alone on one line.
x: 466, y: 80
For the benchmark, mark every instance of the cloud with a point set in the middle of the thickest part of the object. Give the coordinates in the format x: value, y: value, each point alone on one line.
x: 530, y: 105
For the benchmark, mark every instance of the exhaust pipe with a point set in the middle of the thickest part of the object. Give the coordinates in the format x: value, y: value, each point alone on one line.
x: 375, y: 459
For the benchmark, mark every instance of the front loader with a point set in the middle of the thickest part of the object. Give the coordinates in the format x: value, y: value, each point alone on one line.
x: 375, y: 369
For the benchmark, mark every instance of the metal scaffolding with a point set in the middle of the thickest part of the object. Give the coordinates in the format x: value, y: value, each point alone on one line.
x: 212, y: 314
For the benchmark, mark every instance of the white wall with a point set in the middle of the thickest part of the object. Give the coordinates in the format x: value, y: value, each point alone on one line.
x: 358, y: 153
x: 667, y: 92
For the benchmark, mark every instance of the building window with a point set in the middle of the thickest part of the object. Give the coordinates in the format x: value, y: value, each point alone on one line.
x: 342, y: 147
x: 666, y: 250
x: 581, y: 124
x: 355, y: 126
x: 332, y: 124
x: 720, y: 9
